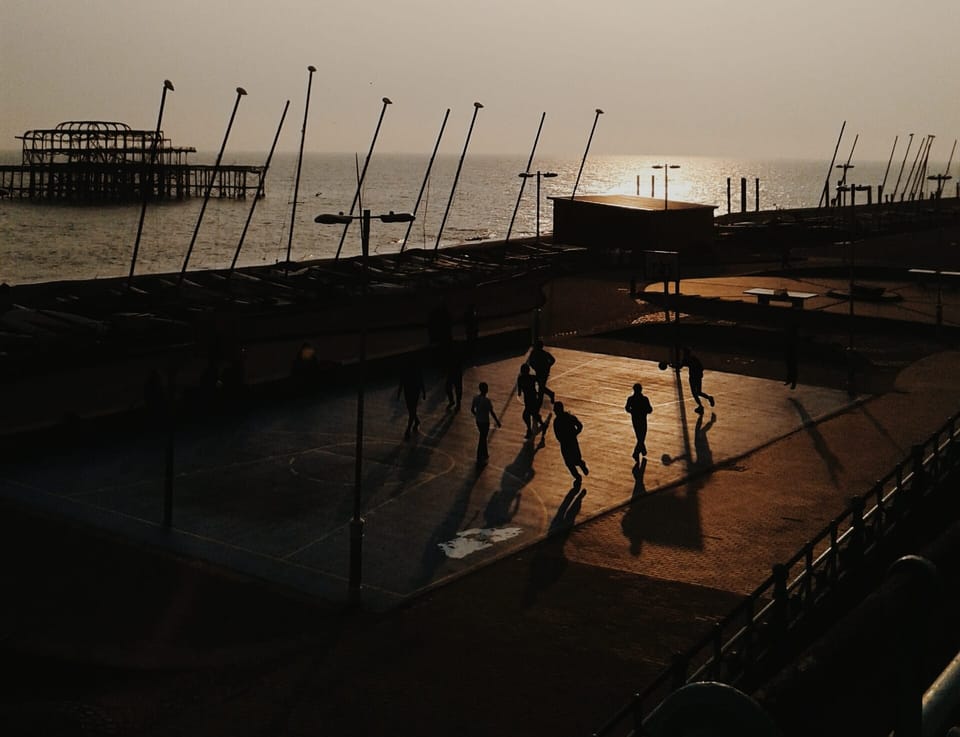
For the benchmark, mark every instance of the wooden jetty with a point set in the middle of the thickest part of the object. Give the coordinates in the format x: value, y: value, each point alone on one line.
x: 106, y: 161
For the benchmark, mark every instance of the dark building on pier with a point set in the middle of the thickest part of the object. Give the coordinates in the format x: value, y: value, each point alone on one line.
x: 106, y: 161
x: 631, y: 223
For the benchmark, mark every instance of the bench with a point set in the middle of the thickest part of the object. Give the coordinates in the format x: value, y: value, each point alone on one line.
x: 766, y: 296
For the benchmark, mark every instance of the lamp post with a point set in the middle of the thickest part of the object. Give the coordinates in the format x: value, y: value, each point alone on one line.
x: 538, y: 175
x: 356, y: 523
x: 666, y: 179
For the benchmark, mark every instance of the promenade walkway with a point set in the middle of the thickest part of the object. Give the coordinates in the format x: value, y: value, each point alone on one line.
x: 574, y: 598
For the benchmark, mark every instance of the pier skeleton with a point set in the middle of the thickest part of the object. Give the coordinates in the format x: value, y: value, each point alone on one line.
x: 106, y: 161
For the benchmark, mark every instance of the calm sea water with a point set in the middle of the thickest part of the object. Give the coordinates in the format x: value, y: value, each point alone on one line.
x: 44, y: 242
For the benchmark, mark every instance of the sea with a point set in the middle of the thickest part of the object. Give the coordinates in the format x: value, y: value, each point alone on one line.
x: 464, y: 199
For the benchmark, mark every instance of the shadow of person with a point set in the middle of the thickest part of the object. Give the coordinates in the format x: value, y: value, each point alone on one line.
x: 549, y: 561
x: 639, y: 488
x: 505, y: 503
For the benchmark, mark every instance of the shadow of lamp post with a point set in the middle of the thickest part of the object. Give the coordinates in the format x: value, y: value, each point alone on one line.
x: 538, y: 175
x: 356, y: 522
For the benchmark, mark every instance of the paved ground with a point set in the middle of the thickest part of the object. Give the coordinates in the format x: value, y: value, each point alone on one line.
x: 549, y: 640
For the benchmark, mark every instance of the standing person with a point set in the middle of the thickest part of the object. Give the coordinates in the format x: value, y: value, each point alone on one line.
x: 482, y: 409
x: 567, y: 427
x: 541, y: 361
x: 638, y: 407
x: 695, y: 375
x: 412, y: 389
x: 527, y: 388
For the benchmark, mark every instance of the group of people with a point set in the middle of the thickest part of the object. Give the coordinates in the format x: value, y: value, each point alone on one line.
x: 532, y: 388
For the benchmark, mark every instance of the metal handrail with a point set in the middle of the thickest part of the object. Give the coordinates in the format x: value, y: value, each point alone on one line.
x: 762, y: 620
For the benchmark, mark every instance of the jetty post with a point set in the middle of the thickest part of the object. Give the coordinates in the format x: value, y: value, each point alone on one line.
x: 256, y: 199
x: 206, y: 196
x: 167, y: 87
x: 456, y: 177
x: 426, y: 178
x: 366, y: 162
x: 355, y: 579
x: 523, y: 182
x: 583, y: 161
x: 296, y: 181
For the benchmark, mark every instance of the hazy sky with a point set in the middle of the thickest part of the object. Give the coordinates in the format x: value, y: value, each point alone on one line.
x: 748, y: 78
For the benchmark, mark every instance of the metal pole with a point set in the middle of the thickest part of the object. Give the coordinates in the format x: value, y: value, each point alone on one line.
x: 167, y: 85
x: 946, y: 172
x: 825, y: 195
x: 916, y: 158
x: 902, y: 164
x: 538, y: 207
x: 884, y: 184
x: 456, y: 177
x: 584, y: 160
x: 356, y: 196
x: 356, y: 523
x: 523, y: 182
x: 253, y: 205
x: 206, y: 195
x: 426, y: 177
x: 296, y: 181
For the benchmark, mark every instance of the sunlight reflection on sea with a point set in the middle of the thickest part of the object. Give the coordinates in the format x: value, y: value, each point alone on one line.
x: 44, y: 242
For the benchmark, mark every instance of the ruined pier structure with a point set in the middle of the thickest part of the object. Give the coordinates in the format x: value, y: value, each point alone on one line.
x: 105, y: 161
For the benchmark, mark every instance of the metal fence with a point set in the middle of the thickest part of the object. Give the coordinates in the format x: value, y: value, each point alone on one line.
x: 763, y: 627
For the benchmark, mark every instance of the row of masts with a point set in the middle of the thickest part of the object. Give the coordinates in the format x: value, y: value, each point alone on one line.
x: 346, y: 219
x: 914, y: 185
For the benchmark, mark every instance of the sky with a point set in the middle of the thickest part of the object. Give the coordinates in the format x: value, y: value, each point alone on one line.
x: 739, y: 78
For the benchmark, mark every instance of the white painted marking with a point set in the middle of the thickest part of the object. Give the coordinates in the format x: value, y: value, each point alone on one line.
x: 472, y: 540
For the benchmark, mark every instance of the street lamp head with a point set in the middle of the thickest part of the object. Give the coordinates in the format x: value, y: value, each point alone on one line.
x: 548, y: 174
x: 674, y: 166
x: 387, y: 101
x: 168, y: 85
x: 599, y: 111
x: 526, y: 174
x: 241, y: 91
x: 477, y: 105
x: 331, y: 219
x: 311, y: 69
x: 397, y: 217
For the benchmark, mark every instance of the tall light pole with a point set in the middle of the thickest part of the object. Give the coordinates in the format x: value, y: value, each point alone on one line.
x: 356, y: 522
x: 666, y: 179
x: 148, y: 171
x: 539, y: 175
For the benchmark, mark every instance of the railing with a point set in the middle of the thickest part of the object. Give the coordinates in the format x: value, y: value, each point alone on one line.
x: 760, y: 627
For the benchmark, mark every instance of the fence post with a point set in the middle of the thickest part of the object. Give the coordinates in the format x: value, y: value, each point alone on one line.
x: 919, y: 481
x: 858, y: 539
x: 781, y: 601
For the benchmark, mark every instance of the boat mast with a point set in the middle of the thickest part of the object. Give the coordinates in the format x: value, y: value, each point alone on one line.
x: 884, y: 183
x: 213, y: 175
x: 167, y: 86
x: 356, y: 196
x: 259, y: 194
x: 456, y: 177
x: 426, y: 177
x: 825, y: 194
x: 296, y: 181
x: 913, y: 166
x: 902, y: 164
x: 584, y: 160
x: 523, y: 179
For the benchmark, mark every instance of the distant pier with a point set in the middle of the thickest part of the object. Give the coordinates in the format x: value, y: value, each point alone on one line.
x: 105, y: 161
